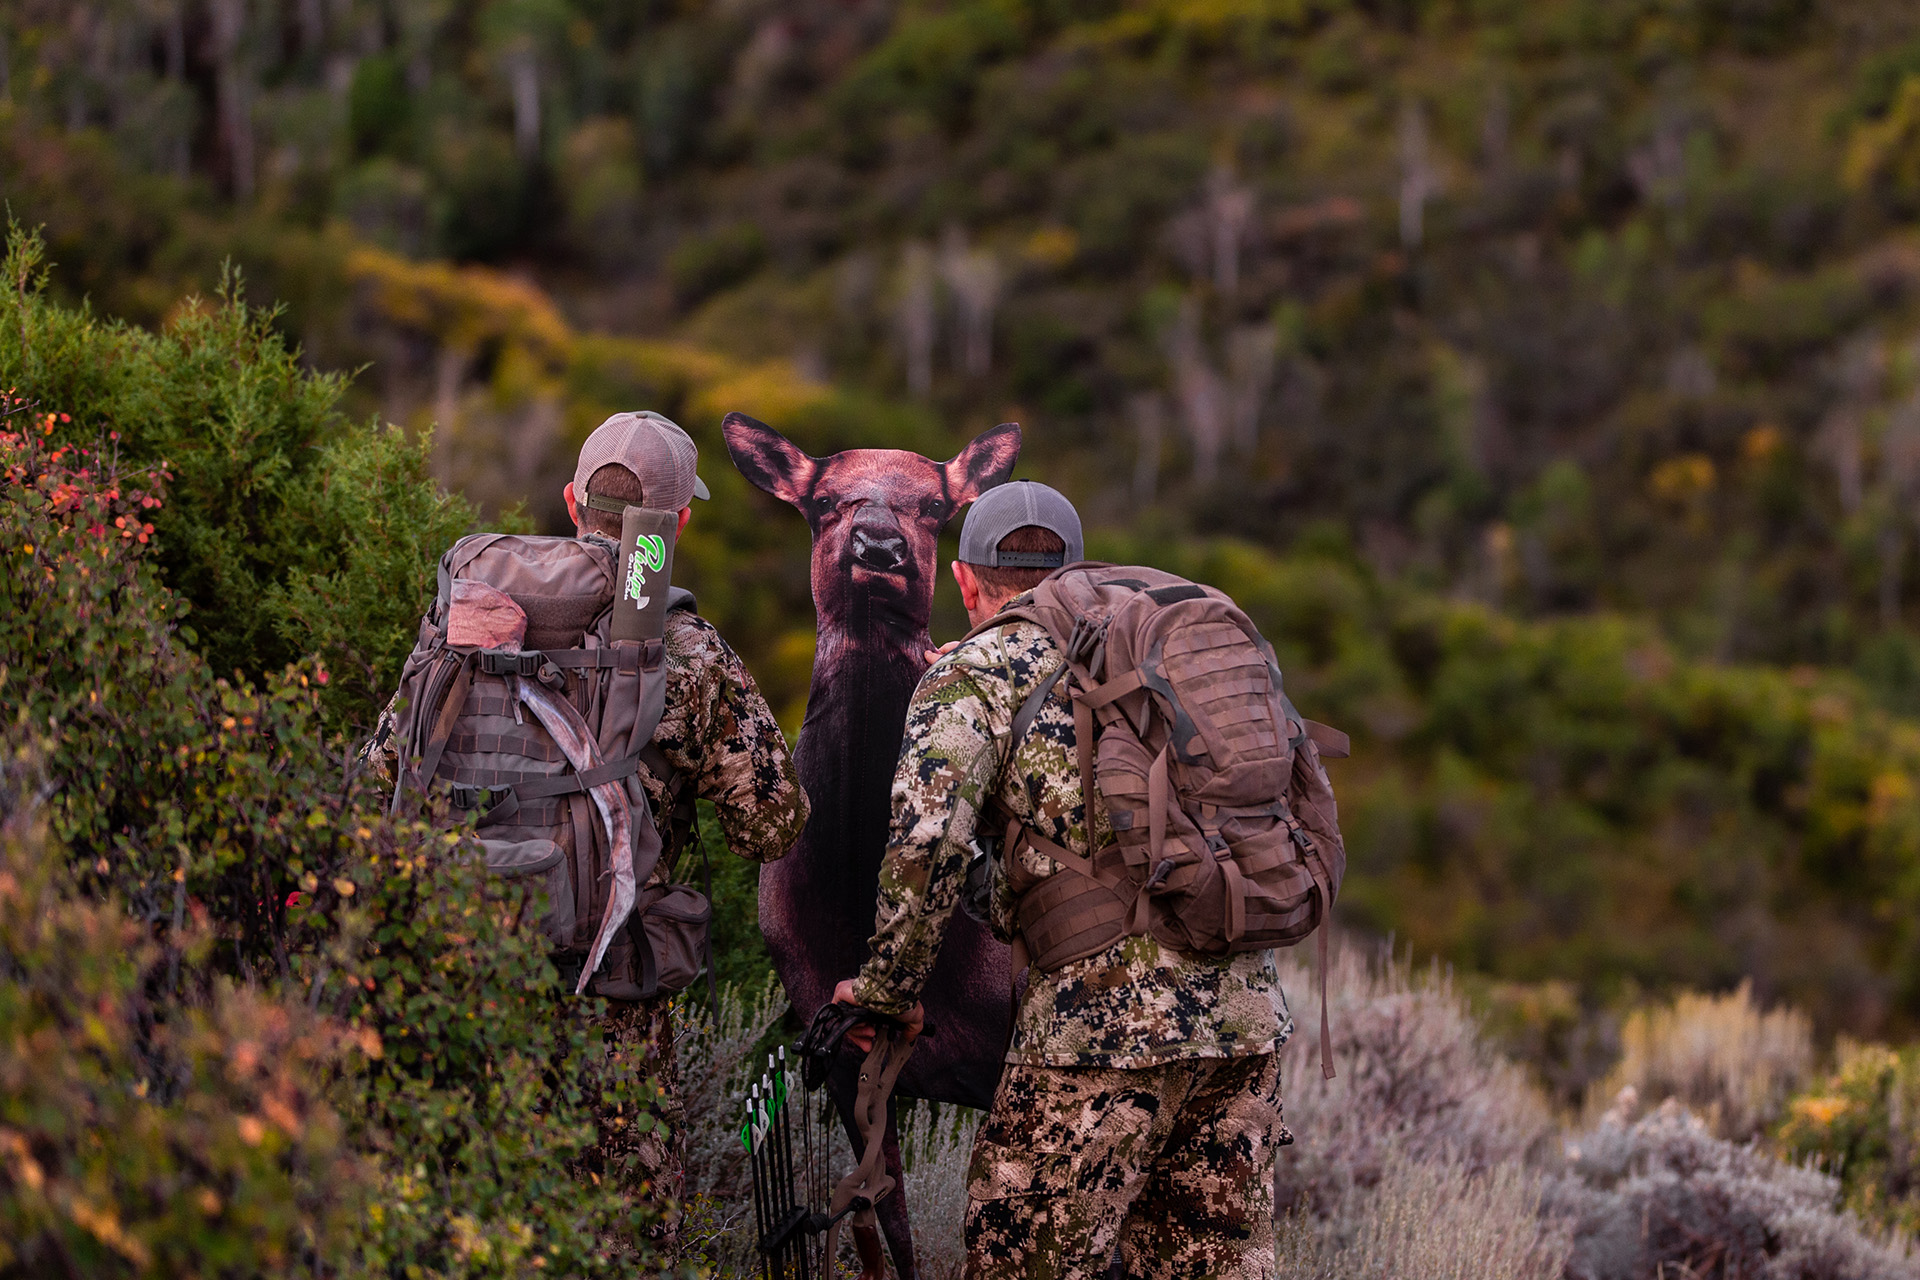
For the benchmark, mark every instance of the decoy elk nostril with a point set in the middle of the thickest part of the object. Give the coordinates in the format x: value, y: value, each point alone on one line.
x: 883, y: 551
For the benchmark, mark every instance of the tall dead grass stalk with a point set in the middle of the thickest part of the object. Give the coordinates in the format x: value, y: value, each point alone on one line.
x: 1434, y: 1221
x: 1723, y: 1057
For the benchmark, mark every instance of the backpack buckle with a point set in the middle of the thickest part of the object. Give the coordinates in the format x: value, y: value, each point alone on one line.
x: 467, y: 796
x: 511, y: 662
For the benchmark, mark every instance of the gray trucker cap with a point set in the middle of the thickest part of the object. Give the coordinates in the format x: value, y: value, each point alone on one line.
x: 654, y: 448
x: 1014, y: 505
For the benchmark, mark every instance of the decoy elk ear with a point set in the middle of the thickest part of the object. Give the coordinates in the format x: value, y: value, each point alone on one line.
x: 768, y: 458
x: 985, y: 462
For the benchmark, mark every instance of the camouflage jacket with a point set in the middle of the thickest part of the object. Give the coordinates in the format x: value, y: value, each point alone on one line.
x: 1132, y: 1005
x: 717, y: 730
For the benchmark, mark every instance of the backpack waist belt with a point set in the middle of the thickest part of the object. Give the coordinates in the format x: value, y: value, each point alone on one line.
x: 1063, y: 918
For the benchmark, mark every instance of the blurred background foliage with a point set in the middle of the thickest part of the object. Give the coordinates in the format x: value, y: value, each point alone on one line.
x: 1544, y: 377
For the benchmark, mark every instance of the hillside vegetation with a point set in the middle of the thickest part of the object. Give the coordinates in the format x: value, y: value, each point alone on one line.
x: 1544, y: 377
x: 1559, y: 304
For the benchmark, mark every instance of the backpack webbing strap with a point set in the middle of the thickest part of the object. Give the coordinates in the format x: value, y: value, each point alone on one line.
x: 540, y: 787
x: 619, y: 657
x: 1157, y: 868
x: 1083, y: 748
x: 586, y: 779
x: 1310, y: 858
x: 1114, y: 689
x: 706, y: 939
x: 1333, y: 744
x: 1030, y: 709
x: 682, y: 808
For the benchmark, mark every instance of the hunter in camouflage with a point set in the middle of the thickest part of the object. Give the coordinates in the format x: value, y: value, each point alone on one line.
x: 1135, y: 1004
x: 720, y: 739
x: 1142, y: 1085
x: 719, y: 733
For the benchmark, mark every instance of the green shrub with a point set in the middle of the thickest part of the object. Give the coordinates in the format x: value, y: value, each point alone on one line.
x: 1862, y: 1124
x: 219, y: 804
x: 288, y: 531
x: 704, y: 266
x: 142, y: 1135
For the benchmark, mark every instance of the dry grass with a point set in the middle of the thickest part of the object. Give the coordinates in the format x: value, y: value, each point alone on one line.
x: 1430, y: 1156
x: 1723, y: 1057
x: 1433, y: 1221
x: 1416, y: 1082
x: 717, y: 1064
x: 935, y: 1144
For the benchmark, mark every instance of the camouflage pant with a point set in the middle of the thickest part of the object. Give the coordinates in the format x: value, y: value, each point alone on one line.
x: 649, y: 1166
x: 1173, y: 1161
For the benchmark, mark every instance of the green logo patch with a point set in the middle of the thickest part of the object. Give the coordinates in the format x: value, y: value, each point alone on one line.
x: 649, y: 554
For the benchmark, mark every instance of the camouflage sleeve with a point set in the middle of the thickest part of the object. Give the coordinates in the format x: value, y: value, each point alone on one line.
x: 949, y: 759
x: 719, y: 729
x: 380, y: 755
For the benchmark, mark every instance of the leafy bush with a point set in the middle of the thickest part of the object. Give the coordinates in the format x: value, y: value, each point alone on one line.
x: 195, y: 799
x: 936, y: 1150
x: 1415, y: 1082
x: 1862, y: 1124
x: 288, y: 532
x: 144, y: 1134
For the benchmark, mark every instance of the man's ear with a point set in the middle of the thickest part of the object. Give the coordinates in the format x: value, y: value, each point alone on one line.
x: 573, y: 504
x: 984, y: 463
x: 968, y: 584
x: 768, y: 458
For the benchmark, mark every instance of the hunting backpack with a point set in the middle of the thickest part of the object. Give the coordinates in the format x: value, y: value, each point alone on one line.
x: 515, y: 703
x: 1225, y: 833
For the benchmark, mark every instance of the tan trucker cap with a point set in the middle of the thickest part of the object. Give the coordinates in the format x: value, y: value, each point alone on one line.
x: 654, y: 448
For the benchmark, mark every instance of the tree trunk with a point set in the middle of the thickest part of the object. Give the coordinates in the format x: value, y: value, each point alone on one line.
x: 234, y: 91
x: 1149, y: 414
x: 916, y: 316
x: 1416, y: 175
x: 523, y: 76
x: 1893, y: 546
x: 313, y: 26
x: 1229, y: 210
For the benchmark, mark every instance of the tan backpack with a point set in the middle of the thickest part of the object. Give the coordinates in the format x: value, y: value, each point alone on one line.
x: 1226, y: 837
x: 515, y: 703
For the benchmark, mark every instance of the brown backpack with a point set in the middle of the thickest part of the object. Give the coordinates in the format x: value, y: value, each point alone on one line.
x: 515, y: 703
x: 1225, y: 833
